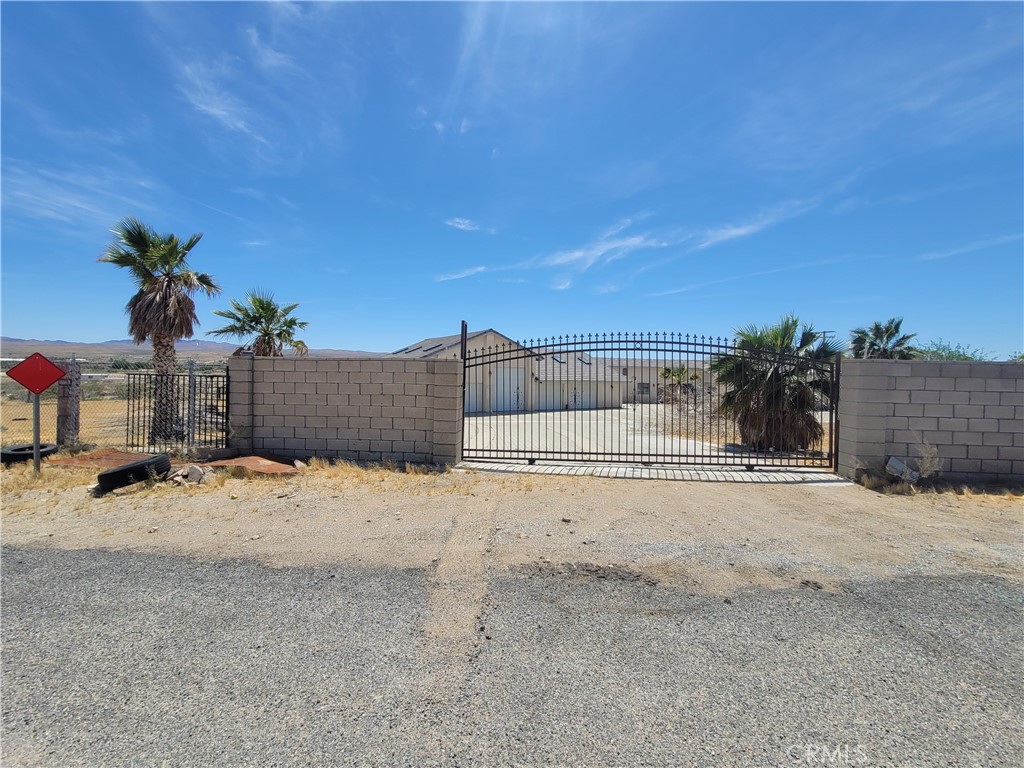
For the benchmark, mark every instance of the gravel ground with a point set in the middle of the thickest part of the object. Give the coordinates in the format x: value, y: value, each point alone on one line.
x: 115, y: 658
x: 348, y: 616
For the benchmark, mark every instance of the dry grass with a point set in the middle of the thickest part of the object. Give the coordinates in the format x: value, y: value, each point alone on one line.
x: 891, y: 486
x: 16, y: 479
x: 101, y: 422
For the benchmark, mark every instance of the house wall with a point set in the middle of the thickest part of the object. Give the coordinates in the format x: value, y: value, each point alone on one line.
x: 971, y: 414
x: 363, y: 409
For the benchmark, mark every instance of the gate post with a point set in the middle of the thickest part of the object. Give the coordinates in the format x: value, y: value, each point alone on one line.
x: 69, y: 395
x: 837, y: 370
x: 191, y: 430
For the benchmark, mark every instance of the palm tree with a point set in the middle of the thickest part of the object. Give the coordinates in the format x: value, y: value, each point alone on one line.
x: 882, y: 341
x: 775, y: 380
x: 265, y: 325
x: 162, y: 309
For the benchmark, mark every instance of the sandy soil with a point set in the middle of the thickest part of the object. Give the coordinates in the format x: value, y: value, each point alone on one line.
x: 709, y: 537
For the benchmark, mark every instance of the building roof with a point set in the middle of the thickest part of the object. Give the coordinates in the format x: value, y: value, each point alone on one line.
x: 573, y: 366
x: 439, y: 345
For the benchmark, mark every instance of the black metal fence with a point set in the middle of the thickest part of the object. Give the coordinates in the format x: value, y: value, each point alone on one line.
x: 182, y: 411
x: 649, y: 399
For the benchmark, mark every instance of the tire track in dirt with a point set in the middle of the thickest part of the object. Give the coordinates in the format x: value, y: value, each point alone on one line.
x: 454, y: 603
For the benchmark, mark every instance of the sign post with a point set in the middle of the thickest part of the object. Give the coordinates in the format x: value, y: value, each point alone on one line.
x: 36, y: 374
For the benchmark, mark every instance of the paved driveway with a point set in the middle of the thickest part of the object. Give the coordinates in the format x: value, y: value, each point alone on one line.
x: 113, y: 658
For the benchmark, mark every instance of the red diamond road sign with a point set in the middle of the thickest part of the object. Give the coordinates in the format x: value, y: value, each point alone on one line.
x: 35, y: 373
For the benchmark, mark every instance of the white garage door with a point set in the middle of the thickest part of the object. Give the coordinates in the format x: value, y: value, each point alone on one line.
x: 474, y: 396
x: 507, y: 390
x: 583, y: 394
x: 549, y: 396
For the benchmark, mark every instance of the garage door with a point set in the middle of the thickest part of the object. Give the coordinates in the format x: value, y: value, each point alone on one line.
x: 583, y: 394
x: 474, y: 396
x: 507, y: 390
x: 549, y: 396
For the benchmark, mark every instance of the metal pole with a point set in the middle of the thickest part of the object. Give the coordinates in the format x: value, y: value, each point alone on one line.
x: 35, y: 431
x: 191, y: 438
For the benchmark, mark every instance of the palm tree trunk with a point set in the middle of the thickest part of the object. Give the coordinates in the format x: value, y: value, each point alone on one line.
x: 163, y: 427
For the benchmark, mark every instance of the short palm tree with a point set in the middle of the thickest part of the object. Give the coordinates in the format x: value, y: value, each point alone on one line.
x: 774, y: 382
x: 264, y: 326
x: 882, y: 341
x: 162, y: 309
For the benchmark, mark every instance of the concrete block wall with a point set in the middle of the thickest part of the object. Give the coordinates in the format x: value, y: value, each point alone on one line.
x: 361, y: 409
x: 971, y: 413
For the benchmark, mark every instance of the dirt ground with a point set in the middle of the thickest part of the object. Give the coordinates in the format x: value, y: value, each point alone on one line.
x: 710, y: 537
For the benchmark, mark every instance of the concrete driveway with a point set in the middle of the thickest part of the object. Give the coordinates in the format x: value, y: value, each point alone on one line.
x: 632, y: 432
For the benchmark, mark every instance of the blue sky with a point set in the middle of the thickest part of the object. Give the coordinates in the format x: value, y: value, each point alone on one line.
x: 537, y: 168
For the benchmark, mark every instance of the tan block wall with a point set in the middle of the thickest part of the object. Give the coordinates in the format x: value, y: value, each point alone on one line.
x: 362, y: 409
x: 971, y: 413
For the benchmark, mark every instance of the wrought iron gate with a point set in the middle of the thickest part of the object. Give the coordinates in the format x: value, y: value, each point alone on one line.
x: 181, y: 411
x: 650, y: 399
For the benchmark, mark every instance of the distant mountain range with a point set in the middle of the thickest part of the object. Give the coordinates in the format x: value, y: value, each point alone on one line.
x: 188, y: 348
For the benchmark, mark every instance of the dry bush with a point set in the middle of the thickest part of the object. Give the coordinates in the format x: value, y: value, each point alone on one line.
x: 899, y: 488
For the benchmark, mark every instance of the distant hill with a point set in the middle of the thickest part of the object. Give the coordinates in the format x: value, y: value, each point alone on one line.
x: 203, y: 351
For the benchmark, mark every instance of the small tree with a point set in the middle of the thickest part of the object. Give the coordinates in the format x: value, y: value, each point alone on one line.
x: 945, y: 350
x: 882, y: 341
x: 774, y: 383
x: 264, y: 326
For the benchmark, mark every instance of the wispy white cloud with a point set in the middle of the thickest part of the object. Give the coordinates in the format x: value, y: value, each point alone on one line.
x: 463, y: 126
x: 460, y: 275
x: 255, y: 243
x: 759, y: 273
x: 200, y: 87
x: 908, y: 197
x: 561, y: 285
x: 758, y: 223
x: 978, y: 245
x: 248, y: 192
x: 464, y: 224
x: 826, y: 108
x: 268, y: 59
x: 611, y: 245
x: 78, y: 197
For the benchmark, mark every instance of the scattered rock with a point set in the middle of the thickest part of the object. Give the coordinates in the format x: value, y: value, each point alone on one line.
x: 195, y: 474
x: 299, y: 464
x: 566, y: 520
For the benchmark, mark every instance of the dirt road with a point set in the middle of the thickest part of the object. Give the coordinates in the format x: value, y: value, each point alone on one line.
x: 716, y: 537
x: 379, y: 618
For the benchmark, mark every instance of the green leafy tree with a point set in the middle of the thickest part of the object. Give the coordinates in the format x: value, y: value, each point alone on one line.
x: 262, y: 324
x: 883, y: 341
x: 774, y: 383
x: 162, y: 310
x: 945, y: 350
